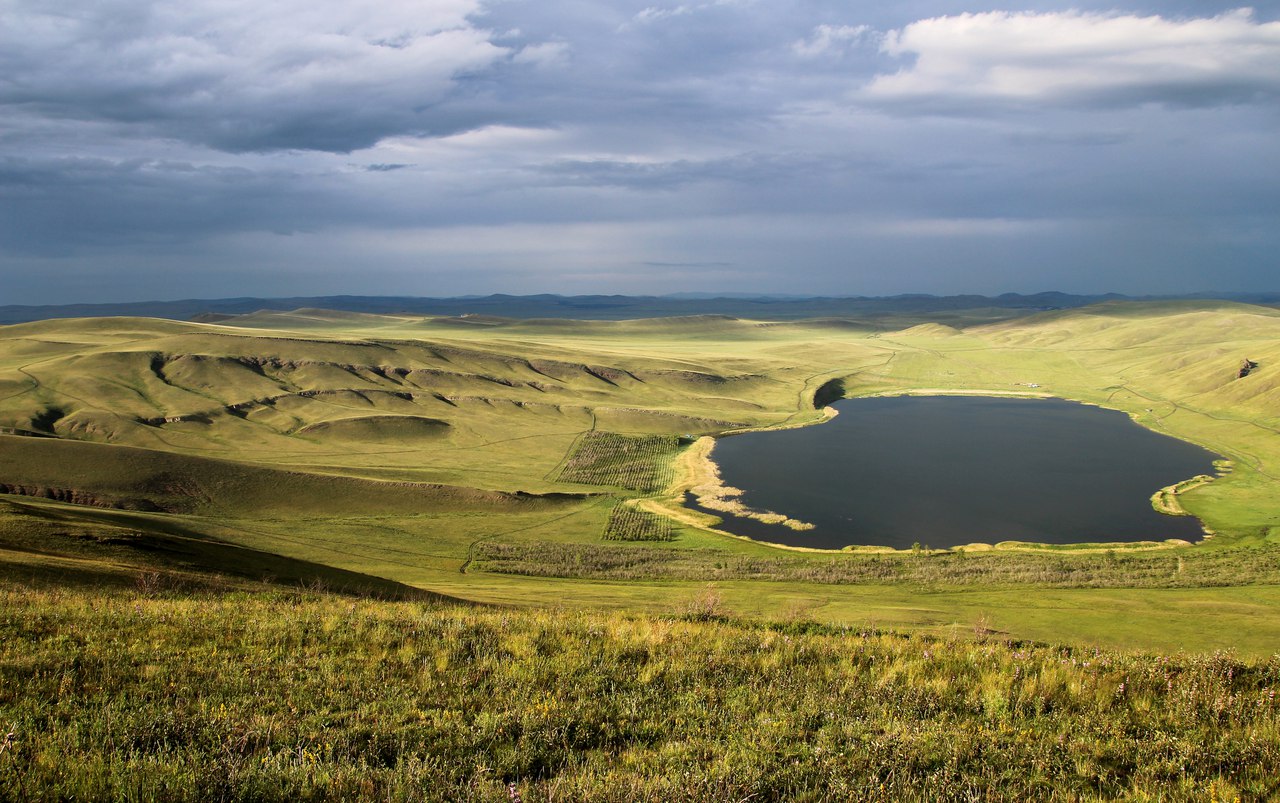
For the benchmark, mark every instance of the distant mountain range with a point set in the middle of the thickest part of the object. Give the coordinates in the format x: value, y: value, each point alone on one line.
x: 595, y: 307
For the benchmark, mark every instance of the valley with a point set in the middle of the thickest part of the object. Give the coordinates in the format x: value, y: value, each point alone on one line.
x: 523, y: 461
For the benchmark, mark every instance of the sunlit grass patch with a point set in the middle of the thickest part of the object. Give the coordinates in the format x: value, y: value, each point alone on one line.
x: 629, y: 523
x: 288, y: 696
x: 638, y: 462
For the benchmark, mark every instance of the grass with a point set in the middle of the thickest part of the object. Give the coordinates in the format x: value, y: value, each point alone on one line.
x: 268, y: 695
x: 401, y: 448
x: 629, y: 523
x: 636, y: 462
x: 1175, y: 568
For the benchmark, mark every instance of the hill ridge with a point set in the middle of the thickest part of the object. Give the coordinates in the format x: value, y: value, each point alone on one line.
x: 587, y: 307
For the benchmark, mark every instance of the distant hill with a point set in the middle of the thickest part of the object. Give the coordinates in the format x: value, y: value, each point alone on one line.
x: 588, y: 307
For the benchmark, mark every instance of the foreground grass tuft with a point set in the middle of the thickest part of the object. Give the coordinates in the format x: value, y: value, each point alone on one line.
x: 293, y: 696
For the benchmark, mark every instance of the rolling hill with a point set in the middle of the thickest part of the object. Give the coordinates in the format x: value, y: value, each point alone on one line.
x: 414, y: 449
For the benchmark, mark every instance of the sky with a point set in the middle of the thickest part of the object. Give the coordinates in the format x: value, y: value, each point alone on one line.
x: 218, y: 148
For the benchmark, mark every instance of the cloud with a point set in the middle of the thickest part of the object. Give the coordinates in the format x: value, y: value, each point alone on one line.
x: 829, y: 38
x: 746, y: 168
x: 69, y: 204
x: 655, y: 264
x: 654, y: 13
x: 960, y: 227
x: 502, y: 146
x: 242, y: 76
x: 651, y: 14
x: 543, y: 54
x: 1080, y: 59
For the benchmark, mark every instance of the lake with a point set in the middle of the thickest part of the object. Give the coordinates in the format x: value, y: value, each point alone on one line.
x: 951, y: 470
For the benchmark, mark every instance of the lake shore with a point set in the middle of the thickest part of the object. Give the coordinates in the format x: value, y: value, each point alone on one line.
x: 699, y: 474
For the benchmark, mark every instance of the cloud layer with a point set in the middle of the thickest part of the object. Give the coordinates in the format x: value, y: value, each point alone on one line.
x: 223, y: 147
x: 242, y: 76
x: 1082, y: 59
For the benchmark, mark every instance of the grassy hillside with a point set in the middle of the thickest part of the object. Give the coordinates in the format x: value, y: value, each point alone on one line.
x: 63, y: 547
x: 128, y: 695
x: 488, y: 458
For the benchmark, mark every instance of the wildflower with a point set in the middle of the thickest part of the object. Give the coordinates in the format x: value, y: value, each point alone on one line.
x: 513, y: 794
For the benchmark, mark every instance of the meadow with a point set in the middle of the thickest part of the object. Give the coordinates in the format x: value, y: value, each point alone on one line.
x: 237, y: 693
x: 525, y: 461
x: 320, y: 555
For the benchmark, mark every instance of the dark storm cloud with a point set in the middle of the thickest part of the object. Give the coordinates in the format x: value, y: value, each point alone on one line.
x: 505, y: 145
x: 242, y: 77
x: 58, y: 206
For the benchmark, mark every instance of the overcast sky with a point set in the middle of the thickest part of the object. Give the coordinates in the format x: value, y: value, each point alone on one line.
x: 211, y: 148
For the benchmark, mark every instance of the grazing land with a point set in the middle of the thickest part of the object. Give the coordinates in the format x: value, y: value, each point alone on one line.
x: 237, y: 694
x: 525, y: 461
x: 469, y: 510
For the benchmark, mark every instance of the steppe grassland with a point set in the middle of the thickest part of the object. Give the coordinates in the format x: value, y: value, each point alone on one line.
x: 498, y: 405
x: 1172, y: 366
x: 271, y: 695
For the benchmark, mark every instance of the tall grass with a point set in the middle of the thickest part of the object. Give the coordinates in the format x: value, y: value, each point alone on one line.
x: 291, y: 696
x: 639, y: 462
x: 1168, y: 568
x: 629, y: 523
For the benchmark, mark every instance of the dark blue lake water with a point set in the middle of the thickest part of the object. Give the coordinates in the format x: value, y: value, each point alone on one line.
x: 951, y: 470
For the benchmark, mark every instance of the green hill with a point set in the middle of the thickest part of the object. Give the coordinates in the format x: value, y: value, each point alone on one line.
x: 415, y: 448
x: 160, y: 694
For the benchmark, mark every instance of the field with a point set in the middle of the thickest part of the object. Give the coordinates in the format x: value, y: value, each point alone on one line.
x: 484, y: 458
x: 637, y: 462
x: 237, y: 694
x: 151, y: 468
